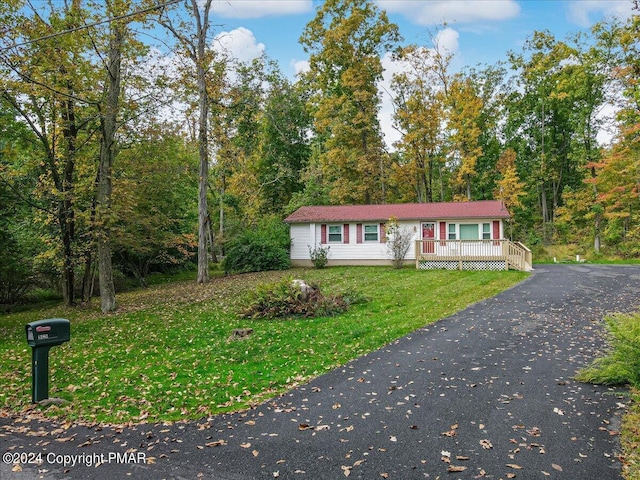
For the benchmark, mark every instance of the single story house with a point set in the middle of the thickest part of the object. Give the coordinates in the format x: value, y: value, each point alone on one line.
x: 450, y: 235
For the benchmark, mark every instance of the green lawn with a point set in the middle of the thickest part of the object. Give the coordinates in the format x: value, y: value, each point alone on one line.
x: 166, y: 355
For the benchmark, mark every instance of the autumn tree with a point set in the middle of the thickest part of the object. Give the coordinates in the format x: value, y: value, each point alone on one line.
x: 509, y: 188
x: 463, y: 117
x: 445, y: 119
x: 345, y: 41
x: 616, y: 178
x: 155, y: 203
x: 419, y: 110
x: 47, y: 83
x: 284, y: 148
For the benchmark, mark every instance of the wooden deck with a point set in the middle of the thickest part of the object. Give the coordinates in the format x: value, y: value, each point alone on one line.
x: 498, y: 254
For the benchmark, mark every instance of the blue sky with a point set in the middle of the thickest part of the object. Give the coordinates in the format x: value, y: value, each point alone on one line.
x: 480, y: 31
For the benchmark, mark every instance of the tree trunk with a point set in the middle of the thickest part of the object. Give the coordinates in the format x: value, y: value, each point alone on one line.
x: 596, y: 223
x: 107, y: 154
x: 203, y: 146
x: 68, y: 271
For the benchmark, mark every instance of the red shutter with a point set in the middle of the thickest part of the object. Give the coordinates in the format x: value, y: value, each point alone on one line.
x: 443, y: 232
x: 359, y: 233
x: 496, y: 231
x: 323, y: 233
x: 345, y: 236
x: 383, y: 233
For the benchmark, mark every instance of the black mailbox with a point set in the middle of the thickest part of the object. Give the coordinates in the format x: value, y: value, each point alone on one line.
x: 53, y: 331
x: 41, y: 336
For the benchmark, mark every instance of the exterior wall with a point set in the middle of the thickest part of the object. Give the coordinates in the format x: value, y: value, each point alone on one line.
x: 300, y: 240
x: 305, y: 235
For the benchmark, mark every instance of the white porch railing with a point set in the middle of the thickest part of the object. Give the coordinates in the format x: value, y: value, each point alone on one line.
x: 474, y: 253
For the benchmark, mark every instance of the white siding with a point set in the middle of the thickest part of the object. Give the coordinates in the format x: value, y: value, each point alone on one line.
x: 300, y: 241
x: 304, y: 235
x: 367, y: 250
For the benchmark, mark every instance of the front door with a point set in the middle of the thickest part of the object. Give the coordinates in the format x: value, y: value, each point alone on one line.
x: 428, y: 233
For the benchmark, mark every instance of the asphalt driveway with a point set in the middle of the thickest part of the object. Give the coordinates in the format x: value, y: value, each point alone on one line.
x: 486, y: 393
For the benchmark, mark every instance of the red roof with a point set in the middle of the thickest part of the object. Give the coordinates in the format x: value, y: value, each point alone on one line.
x: 402, y: 211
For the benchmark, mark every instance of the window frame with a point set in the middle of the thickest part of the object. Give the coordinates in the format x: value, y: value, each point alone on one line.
x: 339, y: 233
x: 452, y: 233
x: 376, y: 233
x: 486, y: 234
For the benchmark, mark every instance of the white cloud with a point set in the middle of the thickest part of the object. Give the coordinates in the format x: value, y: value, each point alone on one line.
x: 260, y: 8
x: 240, y: 44
x: 300, y: 66
x: 434, y: 12
x: 446, y: 41
x: 580, y: 12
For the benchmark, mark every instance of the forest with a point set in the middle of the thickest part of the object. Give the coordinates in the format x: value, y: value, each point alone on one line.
x: 118, y: 159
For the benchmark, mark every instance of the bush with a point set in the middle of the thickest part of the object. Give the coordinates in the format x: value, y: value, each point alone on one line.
x: 319, y: 256
x: 399, y: 241
x: 621, y: 365
x: 286, y: 299
x: 252, y: 252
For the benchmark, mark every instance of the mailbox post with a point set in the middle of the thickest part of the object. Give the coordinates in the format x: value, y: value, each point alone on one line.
x: 41, y: 336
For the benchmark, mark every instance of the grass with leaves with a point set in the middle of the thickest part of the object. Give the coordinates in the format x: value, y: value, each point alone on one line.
x: 166, y: 355
x: 621, y: 366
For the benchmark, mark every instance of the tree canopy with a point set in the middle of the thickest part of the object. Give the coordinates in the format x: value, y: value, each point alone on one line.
x: 103, y: 158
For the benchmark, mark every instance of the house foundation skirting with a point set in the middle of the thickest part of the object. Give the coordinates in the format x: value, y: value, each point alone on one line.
x: 462, y: 265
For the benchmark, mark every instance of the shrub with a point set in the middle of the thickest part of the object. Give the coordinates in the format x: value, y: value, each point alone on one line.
x: 621, y: 365
x: 251, y: 253
x: 399, y: 241
x: 286, y: 299
x: 319, y: 256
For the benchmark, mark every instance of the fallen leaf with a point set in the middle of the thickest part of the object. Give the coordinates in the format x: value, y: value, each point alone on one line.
x: 304, y: 426
x: 486, y: 444
x: 461, y: 457
x: 514, y: 466
x: 556, y: 467
x: 454, y: 468
x: 511, y: 475
x: 245, y: 445
x: 393, y: 438
x: 255, y: 453
x: 16, y: 468
x: 217, y: 443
